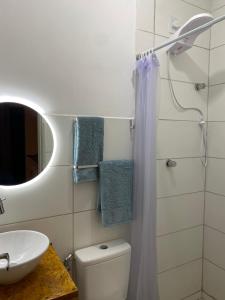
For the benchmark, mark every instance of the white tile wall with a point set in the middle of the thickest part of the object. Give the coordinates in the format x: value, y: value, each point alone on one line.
x: 187, y: 96
x: 174, y: 181
x: 178, y: 139
x: 144, y: 40
x: 181, y: 282
x: 88, y: 230
x: 179, y: 248
x: 206, y: 297
x: 215, y: 176
x: 216, y: 139
x: 85, y: 196
x: 78, y: 60
x: 214, y: 281
x: 51, y: 195
x: 216, y: 105
x: 217, y: 36
x: 145, y: 15
x: 63, y: 127
x: 191, y: 66
x: 214, y: 245
x: 216, y: 4
x: 190, y: 208
x: 217, y: 65
x: 215, y: 211
x: 204, y: 4
x: 117, y: 139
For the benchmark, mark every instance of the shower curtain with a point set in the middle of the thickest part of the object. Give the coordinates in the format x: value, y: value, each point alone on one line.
x: 143, y: 275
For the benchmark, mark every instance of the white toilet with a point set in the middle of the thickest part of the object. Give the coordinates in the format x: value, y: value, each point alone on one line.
x: 103, y: 271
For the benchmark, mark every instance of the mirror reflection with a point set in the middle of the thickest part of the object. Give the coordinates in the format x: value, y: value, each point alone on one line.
x: 26, y: 143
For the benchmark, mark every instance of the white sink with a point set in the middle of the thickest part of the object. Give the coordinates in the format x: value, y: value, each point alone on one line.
x: 25, y: 249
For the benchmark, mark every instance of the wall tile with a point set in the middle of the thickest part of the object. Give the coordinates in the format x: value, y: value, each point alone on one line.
x: 179, y: 248
x: 190, y: 66
x: 183, y: 12
x: 88, y: 230
x: 214, y: 245
x: 179, y: 212
x: 215, y: 211
x: 63, y: 127
x: 144, y: 40
x: 206, y: 297
x: 215, y: 176
x: 214, y: 281
x: 187, y: 96
x: 217, y: 36
x: 204, y: 4
x: 216, y: 139
x: 216, y: 105
x: 172, y: 139
x: 55, y: 228
x: 93, y: 85
x: 117, y: 139
x: 51, y: 195
x: 217, y: 65
x: 217, y: 4
x: 196, y: 296
x: 145, y: 15
x: 85, y: 196
x: 174, y: 181
x: 171, y: 283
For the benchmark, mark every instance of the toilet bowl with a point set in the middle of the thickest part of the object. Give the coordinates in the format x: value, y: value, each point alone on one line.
x: 103, y: 271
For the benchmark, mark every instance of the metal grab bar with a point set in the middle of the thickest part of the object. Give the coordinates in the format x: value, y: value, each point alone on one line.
x: 6, y: 257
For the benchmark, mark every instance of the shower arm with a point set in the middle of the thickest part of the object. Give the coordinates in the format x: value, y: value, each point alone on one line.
x: 187, y: 34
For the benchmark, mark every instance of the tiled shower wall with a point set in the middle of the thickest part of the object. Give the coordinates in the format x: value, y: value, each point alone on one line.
x: 214, y: 234
x: 180, y: 189
x: 71, y: 58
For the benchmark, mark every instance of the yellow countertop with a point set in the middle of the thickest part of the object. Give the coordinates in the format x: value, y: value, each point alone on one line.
x: 49, y: 281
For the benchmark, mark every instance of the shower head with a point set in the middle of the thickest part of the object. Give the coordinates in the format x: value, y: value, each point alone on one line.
x: 187, y: 43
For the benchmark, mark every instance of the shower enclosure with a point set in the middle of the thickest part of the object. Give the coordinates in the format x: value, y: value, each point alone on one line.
x: 190, y: 194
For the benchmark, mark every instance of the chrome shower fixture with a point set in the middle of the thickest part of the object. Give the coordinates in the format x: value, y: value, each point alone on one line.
x: 200, y: 86
x: 193, y: 23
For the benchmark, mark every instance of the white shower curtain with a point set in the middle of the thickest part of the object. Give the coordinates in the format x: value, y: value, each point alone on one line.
x: 143, y: 275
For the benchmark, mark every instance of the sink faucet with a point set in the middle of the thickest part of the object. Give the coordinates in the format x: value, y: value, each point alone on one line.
x: 2, y: 209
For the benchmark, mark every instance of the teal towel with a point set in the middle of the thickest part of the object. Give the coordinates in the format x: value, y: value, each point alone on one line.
x: 88, y: 147
x: 115, y: 191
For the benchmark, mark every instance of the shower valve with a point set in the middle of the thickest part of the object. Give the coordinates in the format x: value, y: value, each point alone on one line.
x: 171, y: 163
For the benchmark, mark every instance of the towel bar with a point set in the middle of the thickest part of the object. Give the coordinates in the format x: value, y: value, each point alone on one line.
x: 85, y: 167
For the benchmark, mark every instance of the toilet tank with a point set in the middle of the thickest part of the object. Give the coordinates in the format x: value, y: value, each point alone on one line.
x: 103, y: 271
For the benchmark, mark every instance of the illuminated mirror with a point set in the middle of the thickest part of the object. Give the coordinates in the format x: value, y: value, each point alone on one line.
x: 26, y: 143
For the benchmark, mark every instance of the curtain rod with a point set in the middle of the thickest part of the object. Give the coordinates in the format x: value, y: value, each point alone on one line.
x: 204, y: 26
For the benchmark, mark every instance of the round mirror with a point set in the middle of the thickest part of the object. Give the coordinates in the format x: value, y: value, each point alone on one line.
x: 26, y: 143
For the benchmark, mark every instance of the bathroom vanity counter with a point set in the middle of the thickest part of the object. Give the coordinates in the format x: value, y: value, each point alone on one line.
x: 49, y: 281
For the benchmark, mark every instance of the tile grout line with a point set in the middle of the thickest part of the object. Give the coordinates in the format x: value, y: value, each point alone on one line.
x: 178, y: 231
x: 206, y: 156
x: 205, y: 9
x: 180, y: 266
x: 35, y: 219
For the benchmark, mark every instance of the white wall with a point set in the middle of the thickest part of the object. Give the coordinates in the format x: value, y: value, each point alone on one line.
x: 71, y: 58
x: 181, y: 189
x: 214, y: 236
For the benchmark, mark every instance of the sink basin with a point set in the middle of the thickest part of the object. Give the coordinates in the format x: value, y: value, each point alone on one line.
x: 25, y: 249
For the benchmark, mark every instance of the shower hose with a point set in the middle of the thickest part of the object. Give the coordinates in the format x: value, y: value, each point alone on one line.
x: 202, y: 123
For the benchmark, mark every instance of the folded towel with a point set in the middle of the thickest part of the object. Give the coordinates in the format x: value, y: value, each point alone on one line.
x: 115, y: 191
x: 88, y: 147
x: 85, y: 175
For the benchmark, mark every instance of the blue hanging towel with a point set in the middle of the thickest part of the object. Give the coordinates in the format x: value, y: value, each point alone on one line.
x: 115, y: 191
x: 88, y: 148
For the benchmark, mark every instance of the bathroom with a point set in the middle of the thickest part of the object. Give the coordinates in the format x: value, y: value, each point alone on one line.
x: 72, y: 59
